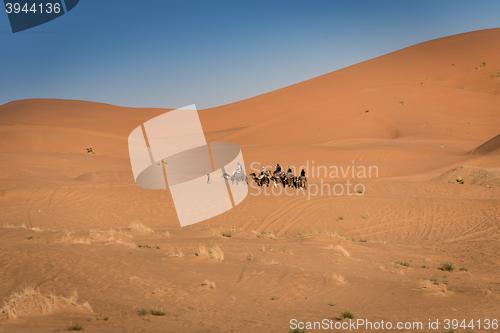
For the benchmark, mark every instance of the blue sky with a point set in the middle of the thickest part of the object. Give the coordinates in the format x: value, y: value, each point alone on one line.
x: 170, y: 54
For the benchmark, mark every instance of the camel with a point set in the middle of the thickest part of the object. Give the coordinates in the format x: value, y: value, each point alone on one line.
x: 237, y: 177
x: 261, y: 179
x: 302, y: 182
x: 290, y: 180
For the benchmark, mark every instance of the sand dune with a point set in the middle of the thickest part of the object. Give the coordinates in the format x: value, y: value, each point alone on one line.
x: 77, y: 221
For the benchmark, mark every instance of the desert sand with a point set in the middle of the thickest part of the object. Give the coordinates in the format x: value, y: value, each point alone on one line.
x: 427, y: 117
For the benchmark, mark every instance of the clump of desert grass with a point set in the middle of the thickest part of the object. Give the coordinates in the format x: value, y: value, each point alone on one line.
x: 75, y: 327
x: 265, y: 234
x: 314, y: 233
x: 30, y: 301
x: 103, y: 237
x: 435, y: 285
x: 209, y: 284
x: 139, y: 227
x: 335, y: 278
x: 447, y: 267
x: 346, y: 314
x: 155, y: 311
x: 210, y: 251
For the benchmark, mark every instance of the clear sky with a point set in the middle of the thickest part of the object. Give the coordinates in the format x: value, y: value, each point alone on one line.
x: 169, y: 54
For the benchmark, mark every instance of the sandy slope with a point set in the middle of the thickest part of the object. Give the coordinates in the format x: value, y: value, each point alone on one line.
x: 431, y: 107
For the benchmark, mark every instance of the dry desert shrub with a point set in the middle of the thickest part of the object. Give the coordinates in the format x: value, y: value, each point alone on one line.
x: 266, y: 234
x: 31, y: 301
x: 105, y: 237
x: 122, y: 242
x: 433, y: 284
x: 138, y: 226
x: 216, y: 252
x: 209, y: 284
x: 305, y: 234
x: 335, y: 277
x: 211, y: 251
x: 202, y: 251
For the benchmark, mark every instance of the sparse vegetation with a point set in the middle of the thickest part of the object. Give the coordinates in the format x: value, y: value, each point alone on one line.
x: 75, y: 327
x: 360, y: 191
x: 497, y: 74
x: 138, y: 226
x: 106, y: 318
x: 365, y: 216
x: 268, y: 234
x: 367, y: 111
x: 297, y: 331
x: 464, y: 269
x: 144, y: 310
x: 30, y: 300
x: 274, y: 298
x: 226, y: 234
x: 157, y: 312
x: 346, y: 314
x: 402, y: 263
x: 447, y: 267
x: 29, y: 237
x: 433, y: 284
x: 212, y: 251
x: 341, y: 217
x: 147, y: 246
x: 484, y: 64
x: 402, y: 102
x: 209, y: 284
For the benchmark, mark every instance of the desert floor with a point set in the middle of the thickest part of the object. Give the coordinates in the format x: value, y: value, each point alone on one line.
x: 81, y: 244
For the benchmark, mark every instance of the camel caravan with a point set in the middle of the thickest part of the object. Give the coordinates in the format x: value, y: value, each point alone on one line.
x: 279, y: 177
x: 265, y: 177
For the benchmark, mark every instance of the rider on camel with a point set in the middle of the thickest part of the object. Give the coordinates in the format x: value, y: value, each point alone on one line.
x: 239, y: 169
x: 262, y: 173
x: 278, y: 169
